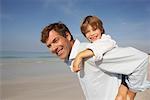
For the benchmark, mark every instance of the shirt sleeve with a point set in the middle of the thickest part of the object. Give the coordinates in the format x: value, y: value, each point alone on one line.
x: 101, y: 46
x: 123, y: 60
x: 71, y: 66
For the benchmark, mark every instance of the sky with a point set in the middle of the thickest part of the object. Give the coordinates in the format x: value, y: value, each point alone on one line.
x: 21, y: 21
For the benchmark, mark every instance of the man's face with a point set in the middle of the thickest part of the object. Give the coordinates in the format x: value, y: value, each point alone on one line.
x: 58, y: 45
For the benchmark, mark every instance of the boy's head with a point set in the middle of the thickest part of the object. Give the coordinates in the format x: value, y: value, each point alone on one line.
x: 92, y: 28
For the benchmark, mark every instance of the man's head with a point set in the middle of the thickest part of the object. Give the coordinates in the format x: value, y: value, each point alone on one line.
x: 58, y: 39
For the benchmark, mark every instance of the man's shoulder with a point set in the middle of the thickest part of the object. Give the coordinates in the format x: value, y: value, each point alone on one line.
x: 83, y: 45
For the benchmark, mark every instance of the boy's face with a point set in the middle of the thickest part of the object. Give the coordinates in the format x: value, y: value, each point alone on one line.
x: 58, y: 45
x: 93, y: 34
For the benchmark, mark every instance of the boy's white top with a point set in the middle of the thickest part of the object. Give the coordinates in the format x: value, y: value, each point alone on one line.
x: 96, y: 84
x: 96, y: 78
x: 128, y: 61
x: 101, y: 46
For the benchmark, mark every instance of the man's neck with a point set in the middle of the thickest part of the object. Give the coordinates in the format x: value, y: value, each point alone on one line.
x: 72, y: 43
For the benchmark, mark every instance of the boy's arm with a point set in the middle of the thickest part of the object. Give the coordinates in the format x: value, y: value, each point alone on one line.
x: 96, y: 49
x: 80, y: 56
x: 124, y: 60
x: 101, y: 46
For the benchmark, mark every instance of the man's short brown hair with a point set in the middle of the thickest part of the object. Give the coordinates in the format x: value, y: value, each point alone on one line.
x: 58, y: 27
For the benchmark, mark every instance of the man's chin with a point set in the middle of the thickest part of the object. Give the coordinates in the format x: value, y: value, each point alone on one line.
x: 62, y: 57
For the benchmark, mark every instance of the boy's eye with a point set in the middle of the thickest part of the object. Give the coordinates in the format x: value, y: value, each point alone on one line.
x: 95, y: 28
x: 87, y: 31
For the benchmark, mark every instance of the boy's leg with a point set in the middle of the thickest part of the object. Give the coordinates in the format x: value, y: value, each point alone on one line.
x: 122, y: 93
x: 131, y: 95
x: 123, y: 90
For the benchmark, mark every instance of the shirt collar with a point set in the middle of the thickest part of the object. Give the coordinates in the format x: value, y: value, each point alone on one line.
x: 74, y: 50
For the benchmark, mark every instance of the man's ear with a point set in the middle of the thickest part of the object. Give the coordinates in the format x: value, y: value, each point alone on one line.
x: 68, y: 36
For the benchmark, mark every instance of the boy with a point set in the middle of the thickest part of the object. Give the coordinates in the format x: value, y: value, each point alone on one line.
x: 92, y: 29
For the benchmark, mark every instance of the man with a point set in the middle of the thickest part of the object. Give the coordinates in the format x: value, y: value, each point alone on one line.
x: 97, y: 84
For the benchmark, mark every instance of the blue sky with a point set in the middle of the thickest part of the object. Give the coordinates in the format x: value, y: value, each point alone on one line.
x: 127, y: 21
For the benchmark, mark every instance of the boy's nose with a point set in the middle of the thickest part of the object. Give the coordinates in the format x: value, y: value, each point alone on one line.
x: 92, y: 33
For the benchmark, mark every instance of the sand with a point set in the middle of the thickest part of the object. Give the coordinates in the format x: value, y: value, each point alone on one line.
x: 24, y: 79
x: 43, y: 88
x: 42, y: 79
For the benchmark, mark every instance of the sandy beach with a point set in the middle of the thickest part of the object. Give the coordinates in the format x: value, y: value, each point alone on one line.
x: 43, y: 88
x: 38, y: 79
x: 42, y: 79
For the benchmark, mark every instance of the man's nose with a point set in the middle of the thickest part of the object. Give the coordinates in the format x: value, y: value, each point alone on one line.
x: 53, y: 48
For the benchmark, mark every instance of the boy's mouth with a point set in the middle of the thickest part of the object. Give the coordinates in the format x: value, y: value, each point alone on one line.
x: 93, y: 38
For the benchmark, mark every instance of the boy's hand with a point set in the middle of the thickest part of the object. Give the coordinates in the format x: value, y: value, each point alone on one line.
x: 76, y: 63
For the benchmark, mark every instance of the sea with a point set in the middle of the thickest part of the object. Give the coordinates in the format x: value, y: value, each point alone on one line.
x: 24, y: 54
x: 18, y: 64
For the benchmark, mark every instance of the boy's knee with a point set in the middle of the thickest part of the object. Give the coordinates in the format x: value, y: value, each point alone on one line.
x: 131, y: 95
x: 119, y: 97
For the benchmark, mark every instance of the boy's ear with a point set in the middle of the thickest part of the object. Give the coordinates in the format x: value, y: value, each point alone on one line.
x: 68, y: 36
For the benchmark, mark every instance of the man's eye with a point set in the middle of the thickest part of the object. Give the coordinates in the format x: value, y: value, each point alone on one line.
x: 49, y: 46
x: 55, y: 40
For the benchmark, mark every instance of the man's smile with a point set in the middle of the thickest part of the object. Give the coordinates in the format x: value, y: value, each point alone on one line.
x: 59, y: 51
